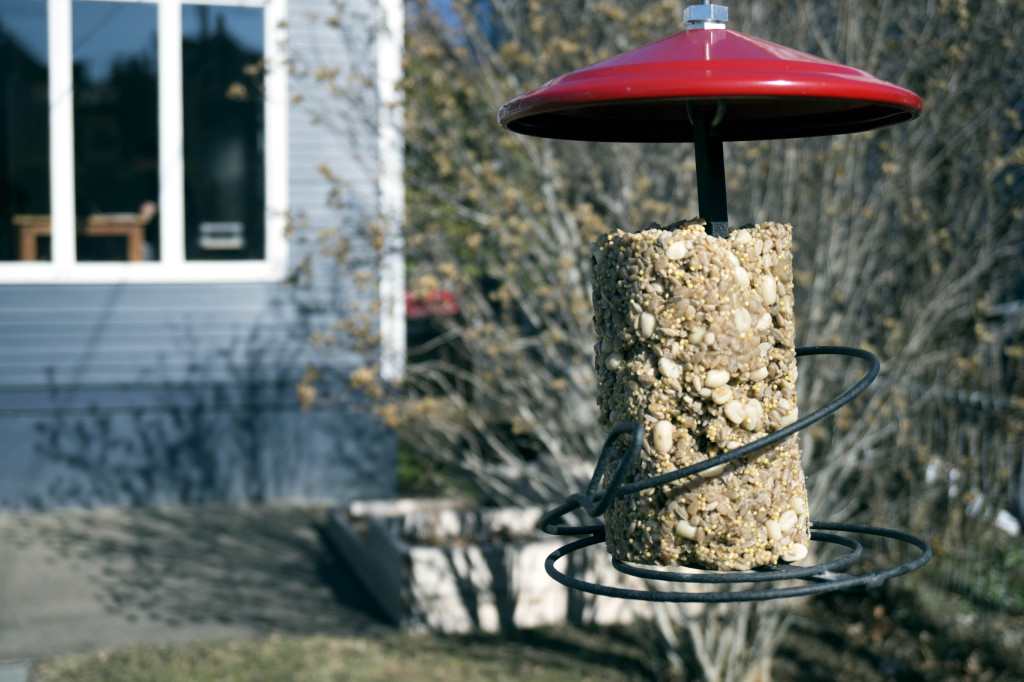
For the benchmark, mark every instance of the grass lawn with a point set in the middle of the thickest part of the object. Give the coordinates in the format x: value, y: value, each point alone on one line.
x: 397, y: 657
x: 919, y: 635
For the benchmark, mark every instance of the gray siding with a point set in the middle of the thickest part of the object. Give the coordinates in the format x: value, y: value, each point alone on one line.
x: 155, y: 394
x: 114, y: 395
x: 77, y: 335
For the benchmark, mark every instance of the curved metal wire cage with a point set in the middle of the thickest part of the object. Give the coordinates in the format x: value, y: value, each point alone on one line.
x: 823, y: 577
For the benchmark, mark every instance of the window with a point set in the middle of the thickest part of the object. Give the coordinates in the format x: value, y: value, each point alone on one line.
x: 224, y: 164
x: 24, y: 139
x: 116, y: 138
x: 142, y: 141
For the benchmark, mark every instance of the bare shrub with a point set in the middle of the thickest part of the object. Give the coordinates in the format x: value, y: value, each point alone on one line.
x: 908, y: 243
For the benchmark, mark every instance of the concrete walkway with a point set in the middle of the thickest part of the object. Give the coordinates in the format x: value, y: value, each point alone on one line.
x: 85, y: 581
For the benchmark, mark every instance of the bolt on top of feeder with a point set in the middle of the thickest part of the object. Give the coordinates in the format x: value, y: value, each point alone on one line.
x: 705, y: 16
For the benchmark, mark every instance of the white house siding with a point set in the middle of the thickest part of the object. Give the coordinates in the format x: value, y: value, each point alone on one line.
x: 140, y: 394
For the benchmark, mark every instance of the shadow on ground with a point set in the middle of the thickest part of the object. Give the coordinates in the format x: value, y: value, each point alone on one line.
x: 102, y: 578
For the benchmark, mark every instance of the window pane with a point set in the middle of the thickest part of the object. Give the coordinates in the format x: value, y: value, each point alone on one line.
x: 224, y: 196
x: 115, y: 130
x: 24, y: 132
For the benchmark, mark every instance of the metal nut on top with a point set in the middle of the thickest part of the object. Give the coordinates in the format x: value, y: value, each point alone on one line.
x: 705, y: 16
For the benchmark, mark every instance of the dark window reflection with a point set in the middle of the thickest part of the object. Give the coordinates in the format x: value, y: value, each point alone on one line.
x: 224, y: 204
x: 115, y: 130
x: 24, y: 132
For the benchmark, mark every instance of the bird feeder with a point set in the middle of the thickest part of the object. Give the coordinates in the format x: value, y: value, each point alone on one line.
x: 708, y: 85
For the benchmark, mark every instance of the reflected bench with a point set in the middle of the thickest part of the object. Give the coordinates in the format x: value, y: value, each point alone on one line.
x: 129, y: 226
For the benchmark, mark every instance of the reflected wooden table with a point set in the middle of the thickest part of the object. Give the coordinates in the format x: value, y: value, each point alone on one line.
x: 129, y: 226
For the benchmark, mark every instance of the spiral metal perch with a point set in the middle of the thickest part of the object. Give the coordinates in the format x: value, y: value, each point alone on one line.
x: 823, y: 577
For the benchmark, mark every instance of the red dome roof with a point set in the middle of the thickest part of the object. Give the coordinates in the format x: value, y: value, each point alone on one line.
x: 769, y: 92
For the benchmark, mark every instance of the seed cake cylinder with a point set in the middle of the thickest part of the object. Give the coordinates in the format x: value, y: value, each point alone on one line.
x: 696, y: 341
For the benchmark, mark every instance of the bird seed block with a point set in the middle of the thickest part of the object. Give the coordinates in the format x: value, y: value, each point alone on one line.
x: 696, y: 342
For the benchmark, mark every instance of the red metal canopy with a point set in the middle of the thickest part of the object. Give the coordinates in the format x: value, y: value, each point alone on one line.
x: 768, y: 92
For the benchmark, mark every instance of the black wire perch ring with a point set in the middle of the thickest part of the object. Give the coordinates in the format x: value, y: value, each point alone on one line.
x: 823, y: 577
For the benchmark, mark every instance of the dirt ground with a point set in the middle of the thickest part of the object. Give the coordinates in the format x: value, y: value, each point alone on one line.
x: 897, y: 633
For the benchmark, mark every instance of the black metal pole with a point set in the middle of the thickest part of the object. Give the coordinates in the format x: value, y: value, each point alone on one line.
x: 711, y: 198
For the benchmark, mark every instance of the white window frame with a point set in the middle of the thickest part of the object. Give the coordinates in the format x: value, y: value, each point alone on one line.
x: 172, y: 267
x: 391, y: 190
